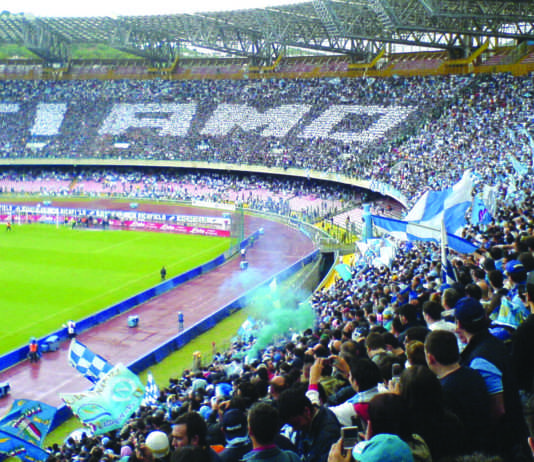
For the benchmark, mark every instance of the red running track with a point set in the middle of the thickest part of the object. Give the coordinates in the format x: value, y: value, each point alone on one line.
x: 277, y: 249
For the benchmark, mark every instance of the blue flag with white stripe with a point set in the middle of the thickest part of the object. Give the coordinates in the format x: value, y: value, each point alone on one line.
x: 415, y: 232
x: 91, y: 365
x: 448, y: 206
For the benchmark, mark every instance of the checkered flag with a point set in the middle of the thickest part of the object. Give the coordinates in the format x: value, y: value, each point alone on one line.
x: 91, y: 365
x: 151, y: 392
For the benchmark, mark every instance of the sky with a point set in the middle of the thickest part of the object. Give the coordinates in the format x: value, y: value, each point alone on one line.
x: 77, y: 8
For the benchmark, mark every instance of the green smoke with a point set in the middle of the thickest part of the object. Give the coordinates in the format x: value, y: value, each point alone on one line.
x: 282, y: 314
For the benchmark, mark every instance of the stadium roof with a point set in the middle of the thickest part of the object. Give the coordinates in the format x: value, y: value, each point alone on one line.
x: 358, y: 28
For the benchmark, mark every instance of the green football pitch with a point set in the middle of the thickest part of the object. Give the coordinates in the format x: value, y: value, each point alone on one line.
x: 49, y: 275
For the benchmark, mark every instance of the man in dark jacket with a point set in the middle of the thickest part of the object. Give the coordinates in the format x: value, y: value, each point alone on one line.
x: 488, y: 355
x: 263, y: 427
x: 316, y: 427
x: 234, y: 427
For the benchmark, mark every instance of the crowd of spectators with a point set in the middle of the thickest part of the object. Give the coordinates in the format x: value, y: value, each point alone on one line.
x: 464, y: 349
x: 449, y: 123
x: 76, y: 112
x: 308, y: 200
x: 426, y: 370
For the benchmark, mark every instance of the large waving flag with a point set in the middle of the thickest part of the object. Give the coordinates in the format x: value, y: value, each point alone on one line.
x: 415, y: 232
x: 91, y: 365
x: 24, y: 428
x: 425, y: 220
x: 110, y: 403
x: 448, y: 205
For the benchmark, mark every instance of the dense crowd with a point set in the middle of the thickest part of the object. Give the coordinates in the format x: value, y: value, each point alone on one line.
x: 425, y: 369
x: 452, y: 123
x: 311, y: 201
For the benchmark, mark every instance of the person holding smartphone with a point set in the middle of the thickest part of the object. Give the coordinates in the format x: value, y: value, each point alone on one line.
x: 364, y: 377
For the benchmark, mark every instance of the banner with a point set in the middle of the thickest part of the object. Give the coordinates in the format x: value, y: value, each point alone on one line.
x: 110, y: 403
x: 24, y: 428
x: 169, y: 227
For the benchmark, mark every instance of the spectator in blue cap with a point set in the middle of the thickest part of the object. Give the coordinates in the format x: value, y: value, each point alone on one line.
x: 234, y: 427
x: 380, y: 448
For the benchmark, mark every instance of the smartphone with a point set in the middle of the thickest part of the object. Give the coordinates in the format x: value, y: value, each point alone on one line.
x: 396, y: 371
x: 351, y: 436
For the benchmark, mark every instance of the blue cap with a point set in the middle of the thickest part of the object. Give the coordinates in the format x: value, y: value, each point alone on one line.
x: 223, y: 389
x: 514, y: 266
x: 468, y: 311
x: 205, y: 412
x: 385, y: 448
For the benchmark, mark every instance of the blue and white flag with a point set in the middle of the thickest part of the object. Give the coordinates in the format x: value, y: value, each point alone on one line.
x: 91, y: 365
x: 448, y: 205
x: 415, y: 232
x: 479, y: 212
x: 151, y: 391
x: 424, y: 221
x: 110, y: 403
x: 520, y: 168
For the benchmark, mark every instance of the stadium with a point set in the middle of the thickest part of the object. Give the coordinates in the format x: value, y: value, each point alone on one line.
x: 327, y: 174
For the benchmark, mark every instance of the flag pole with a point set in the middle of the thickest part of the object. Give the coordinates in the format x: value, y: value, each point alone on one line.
x: 447, y: 270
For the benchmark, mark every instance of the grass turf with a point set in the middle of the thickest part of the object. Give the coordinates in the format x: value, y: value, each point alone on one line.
x: 49, y: 275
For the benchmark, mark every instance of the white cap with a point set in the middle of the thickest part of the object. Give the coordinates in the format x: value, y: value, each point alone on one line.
x: 158, y: 443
